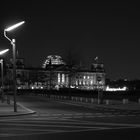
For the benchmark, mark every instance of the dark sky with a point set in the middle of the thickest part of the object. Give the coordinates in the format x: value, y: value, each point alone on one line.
x: 110, y: 31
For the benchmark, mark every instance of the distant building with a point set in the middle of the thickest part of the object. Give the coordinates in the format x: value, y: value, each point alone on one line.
x: 92, y: 79
x: 55, y: 74
x: 88, y: 80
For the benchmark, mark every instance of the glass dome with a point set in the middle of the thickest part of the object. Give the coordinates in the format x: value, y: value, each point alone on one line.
x: 53, y: 60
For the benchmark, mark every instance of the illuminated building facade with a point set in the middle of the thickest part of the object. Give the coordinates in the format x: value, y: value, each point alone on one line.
x: 88, y: 80
x: 92, y: 79
x: 55, y: 74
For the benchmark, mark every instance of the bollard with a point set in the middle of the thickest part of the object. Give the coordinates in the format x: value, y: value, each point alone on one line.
x: 98, y: 101
x: 125, y: 101
x: 92, y: 100
x: 78, y: 99
x: 72, y: 98
x: 107, y: 102
x: 8, y: 99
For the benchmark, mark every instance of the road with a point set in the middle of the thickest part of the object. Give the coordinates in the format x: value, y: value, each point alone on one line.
x: 67, y: 120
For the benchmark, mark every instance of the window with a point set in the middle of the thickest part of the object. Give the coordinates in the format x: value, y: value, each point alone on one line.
x: 58, y: 77
x: 83, y: 82
x: 63, y: 78
x: 76, y: 83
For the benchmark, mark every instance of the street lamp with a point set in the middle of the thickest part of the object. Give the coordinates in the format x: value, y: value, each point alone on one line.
x: 4, y: 51
x: 14, y: 58
x: 1, y: 61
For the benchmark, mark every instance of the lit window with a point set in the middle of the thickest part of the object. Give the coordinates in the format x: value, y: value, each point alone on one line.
x: 63, y: 78
x: 58, y: 77
x: 84, y: 77
x: 83, y: 82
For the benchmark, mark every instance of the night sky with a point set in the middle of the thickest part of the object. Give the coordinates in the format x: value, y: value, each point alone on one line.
x: 110, y: 31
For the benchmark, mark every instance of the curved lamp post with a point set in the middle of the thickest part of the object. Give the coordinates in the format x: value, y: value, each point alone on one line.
x: 14, y: 58
x: 2, y: 85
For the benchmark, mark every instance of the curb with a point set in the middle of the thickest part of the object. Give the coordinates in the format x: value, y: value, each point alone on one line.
x: 20, y: 114
x: 27, y: 112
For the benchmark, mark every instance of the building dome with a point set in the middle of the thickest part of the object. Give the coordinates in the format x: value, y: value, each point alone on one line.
x: 53, y: 60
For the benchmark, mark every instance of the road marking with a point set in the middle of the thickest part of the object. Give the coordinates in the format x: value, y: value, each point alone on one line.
x: 69, y: 125
x: 52, y: 132
x: 69, y: 122
x: 68, y: 116
x: 49, y: 125
x: 113, y: 124
x: 72, y: 122
x: 63, y: 131
x: 121, y: 115
x: 78, y: 113
x: 132, y: 115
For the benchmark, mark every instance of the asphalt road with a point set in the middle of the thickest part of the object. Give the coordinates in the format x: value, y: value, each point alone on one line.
x: 66, y: 121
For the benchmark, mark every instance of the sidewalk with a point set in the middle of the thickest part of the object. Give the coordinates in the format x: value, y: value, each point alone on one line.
x: 128, y: 106
x: 112, y: 105
x: 7, y: 110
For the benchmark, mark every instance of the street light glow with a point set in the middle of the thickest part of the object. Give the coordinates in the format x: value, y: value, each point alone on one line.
x: 4, y: 51
x: 14, y: 26
x: 2, y: 82
x: 14, y: 59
